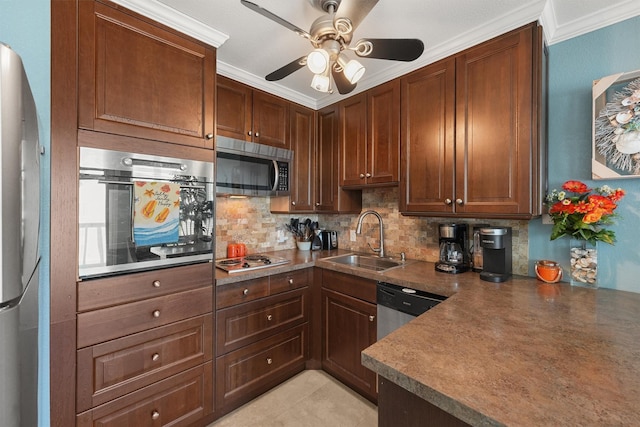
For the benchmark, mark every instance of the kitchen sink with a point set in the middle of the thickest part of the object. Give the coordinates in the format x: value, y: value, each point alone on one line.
x: 366, y: 262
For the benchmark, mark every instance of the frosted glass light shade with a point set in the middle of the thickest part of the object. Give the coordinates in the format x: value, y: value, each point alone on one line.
x: 320, y: 83
x: 354, y: 71
x: 318, y: 61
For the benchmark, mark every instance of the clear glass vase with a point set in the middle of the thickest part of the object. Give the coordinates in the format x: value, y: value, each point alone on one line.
x: 584, y: 263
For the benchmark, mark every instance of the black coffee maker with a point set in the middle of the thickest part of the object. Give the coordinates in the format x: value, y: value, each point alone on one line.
x: 496, y: 253
x: 454, y: 253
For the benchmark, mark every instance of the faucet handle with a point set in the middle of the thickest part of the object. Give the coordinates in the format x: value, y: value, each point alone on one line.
x: 403, y: 257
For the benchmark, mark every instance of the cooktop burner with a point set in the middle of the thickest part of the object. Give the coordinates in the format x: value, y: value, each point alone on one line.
x: 249, y: 262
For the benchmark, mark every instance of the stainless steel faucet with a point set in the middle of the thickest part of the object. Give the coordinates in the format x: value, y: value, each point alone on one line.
x: 379, y: 251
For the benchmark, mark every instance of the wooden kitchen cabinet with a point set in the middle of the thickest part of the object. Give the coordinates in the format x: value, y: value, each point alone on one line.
x: 143, y: 80
x: 262, y: 335
x: 251, y: 115
x: 473, y: 137
x: 145, y: 340
x: 349, y: 326
x: 370, y: 137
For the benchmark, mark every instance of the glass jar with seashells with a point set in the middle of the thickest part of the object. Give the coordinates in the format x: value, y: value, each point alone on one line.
x: 584, y: 263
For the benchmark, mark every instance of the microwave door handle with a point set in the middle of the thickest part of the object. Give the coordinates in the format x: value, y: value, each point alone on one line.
x: 276, y: 174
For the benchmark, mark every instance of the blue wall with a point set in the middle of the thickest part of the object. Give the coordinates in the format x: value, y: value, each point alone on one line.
x: 25, y: 25
x: 573, y: 66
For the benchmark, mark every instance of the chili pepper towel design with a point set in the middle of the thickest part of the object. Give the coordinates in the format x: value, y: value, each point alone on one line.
x: 156, y: 212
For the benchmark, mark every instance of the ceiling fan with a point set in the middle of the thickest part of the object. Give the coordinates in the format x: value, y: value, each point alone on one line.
x: 331, y: 36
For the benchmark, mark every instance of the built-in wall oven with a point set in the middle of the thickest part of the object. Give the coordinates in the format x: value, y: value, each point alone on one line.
x: 141, y: 212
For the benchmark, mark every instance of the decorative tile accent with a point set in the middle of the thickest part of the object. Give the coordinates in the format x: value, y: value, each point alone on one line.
x: 250, y: 222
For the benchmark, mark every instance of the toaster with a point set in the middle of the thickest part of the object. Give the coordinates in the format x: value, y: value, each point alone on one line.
x: 329, y: 239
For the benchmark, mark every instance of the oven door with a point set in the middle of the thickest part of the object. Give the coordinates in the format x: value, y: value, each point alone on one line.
x: 139, y: 212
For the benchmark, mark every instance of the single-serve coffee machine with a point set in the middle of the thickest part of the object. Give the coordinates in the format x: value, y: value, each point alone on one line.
x: 454, y: 253
x: 496, y: 253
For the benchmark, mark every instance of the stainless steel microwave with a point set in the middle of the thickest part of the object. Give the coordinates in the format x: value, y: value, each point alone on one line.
x: 250, y: 169
x: 140, y: 212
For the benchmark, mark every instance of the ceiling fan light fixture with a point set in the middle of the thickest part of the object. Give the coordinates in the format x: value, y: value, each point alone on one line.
x: 353, y: 70
x: 318, y: 61
x: 321, y: 83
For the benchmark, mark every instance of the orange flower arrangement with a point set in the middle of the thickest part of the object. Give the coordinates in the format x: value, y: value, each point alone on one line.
x: 583, y: 214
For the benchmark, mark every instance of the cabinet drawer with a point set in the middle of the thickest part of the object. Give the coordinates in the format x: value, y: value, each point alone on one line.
x: 180, y: 400
x: 110, y: 370
x: 236, y: 293
x: 240, y: 325
x: 244, y: 374
x: 114, y: 322
x: 287, y: 281
x: 100, y: 293
x: 357, y: 287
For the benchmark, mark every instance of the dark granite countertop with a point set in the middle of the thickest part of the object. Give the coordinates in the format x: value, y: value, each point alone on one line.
x: 514, y: 353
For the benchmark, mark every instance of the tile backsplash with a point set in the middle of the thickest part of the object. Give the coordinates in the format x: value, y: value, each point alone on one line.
x: 250, y: 222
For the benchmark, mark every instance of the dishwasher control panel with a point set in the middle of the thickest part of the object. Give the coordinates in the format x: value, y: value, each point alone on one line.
x: 406, y: 300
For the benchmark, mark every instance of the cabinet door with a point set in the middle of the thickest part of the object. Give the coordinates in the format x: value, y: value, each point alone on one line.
x: 302, y: 137
x: 233, y: 109
x: 349, y: 326
x: 140, y: 80
x: 428, y: 139
x: 353, y: 139
x: 494, y: 126
x: 330, y: 197
x: 270, y: 120
x: 383, y: 134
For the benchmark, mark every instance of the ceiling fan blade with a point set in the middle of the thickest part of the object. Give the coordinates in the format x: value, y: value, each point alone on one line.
x: 393, y: 49
x: 343, y: 85
x: 290, y: 68
x: 264, y: 12
x: 355, y: 10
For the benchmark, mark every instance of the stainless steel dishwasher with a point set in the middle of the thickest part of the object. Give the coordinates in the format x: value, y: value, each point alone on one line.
x: 397, y: 305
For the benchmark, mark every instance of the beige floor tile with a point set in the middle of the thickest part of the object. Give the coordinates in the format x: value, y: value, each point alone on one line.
x: 310, y: 399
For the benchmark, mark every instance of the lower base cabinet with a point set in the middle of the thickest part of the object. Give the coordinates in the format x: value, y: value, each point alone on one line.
x: 252, y: 370
x: 399, y: 407
x: 177, y: 401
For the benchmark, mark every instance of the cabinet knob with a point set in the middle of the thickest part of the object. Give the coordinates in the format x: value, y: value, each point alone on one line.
x: 269, y: 317
x: 269, y: 361
x: 156, y: 313
x: 317, y: 203
x: 257, y: 134
x: 447, y: 201
x: 156, y: 283
x: 290, y: 281
x: 372, y: 318
x: 249, y: 133
x: 368, y: 175
x: 361, y: 175
x: 245, y: 292
x: 155, y: 415
x: 209, y: 136
x: 293, y: 203
x: 459, y: 201
x: 155, y: 357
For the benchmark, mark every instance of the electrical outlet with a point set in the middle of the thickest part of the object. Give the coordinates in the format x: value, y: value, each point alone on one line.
x: 352, y: 235
x: 546, y: 219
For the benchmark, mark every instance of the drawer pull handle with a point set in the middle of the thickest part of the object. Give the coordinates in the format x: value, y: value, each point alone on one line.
x: 156, y: 283
x: 155, y: 415
x: 209, y: 136
x: 156, y: 313
x: 155, y: 357
x: 245, y: 292
x: 269, y: 317
x: 269, y: 361
x: 372, y: 318
x: 291, y: 281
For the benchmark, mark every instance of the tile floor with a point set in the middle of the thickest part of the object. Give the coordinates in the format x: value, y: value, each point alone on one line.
x: 310, y: 399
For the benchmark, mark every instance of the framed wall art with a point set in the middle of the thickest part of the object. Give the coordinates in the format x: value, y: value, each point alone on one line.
x: 616, y: 126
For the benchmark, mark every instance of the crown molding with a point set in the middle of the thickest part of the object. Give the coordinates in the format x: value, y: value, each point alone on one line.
x: 177, y: 20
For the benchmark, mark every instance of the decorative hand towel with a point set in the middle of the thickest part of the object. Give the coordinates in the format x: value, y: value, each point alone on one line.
x: 156, y: 212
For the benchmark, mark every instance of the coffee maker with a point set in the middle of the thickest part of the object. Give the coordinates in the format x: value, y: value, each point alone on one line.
x: 454, y: 253
x: 496, y: 253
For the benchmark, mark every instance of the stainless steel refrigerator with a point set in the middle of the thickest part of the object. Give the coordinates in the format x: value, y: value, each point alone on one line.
x: 19, y: 232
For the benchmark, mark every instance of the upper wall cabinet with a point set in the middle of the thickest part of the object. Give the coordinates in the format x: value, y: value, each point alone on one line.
x: 473, y: 131
x: 142, y: 80
x: 251, y: 115
x: 370, y: 137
